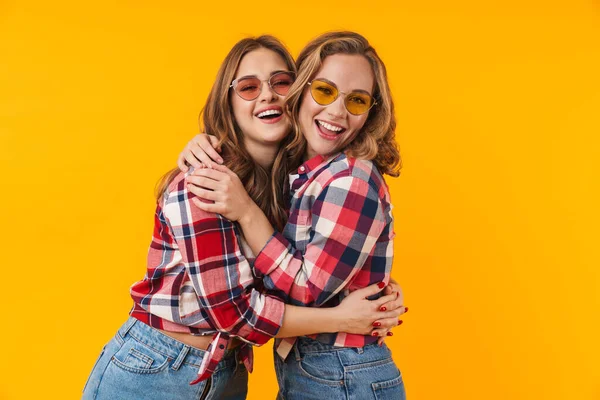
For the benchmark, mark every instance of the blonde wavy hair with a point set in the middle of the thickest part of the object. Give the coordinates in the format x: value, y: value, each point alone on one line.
x: 376, y: 140
x: 266, y: 187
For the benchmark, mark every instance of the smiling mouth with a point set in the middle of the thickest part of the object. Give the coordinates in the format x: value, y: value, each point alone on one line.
x: 328, y: 130
x: 269, y: 114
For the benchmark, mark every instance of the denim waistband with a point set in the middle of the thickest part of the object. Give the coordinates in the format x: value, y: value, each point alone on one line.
x: 308, y: 345
x: 164, y: 344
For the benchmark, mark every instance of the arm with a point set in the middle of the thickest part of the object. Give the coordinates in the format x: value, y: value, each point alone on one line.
x: 356, y: 314
x: 347, y: 220
x: 347, y: 223
x: 207, y: 239
x: 219, y: 272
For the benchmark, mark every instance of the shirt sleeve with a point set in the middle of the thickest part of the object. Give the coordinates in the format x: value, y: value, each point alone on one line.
x: 219, y: 272
x: 347, y: 222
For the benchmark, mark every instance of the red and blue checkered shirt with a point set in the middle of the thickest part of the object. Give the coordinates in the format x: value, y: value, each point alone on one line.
x: 338, y: 238
x: 199, y: 281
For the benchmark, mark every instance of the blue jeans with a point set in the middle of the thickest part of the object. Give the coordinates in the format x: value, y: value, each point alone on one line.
x: 140, y: 362
x: 318, y: 371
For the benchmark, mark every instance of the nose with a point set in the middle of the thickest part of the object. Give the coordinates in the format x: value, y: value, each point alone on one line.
x: 267, y: 94
x: 337, y: 108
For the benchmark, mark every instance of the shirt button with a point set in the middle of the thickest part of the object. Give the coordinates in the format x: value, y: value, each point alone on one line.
x: 302, y: 169
x: 221, y: 346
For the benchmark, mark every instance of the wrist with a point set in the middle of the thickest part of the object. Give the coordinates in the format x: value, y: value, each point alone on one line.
x: 249, y: 215
x: 334, y: 321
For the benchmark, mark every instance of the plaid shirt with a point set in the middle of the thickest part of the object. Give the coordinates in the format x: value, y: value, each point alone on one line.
x: 198, y: 281
x: 338, y: 238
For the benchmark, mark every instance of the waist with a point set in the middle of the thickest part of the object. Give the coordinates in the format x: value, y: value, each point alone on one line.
x: 198, y: 342
x: 159, y: 342
x: 337, y: 340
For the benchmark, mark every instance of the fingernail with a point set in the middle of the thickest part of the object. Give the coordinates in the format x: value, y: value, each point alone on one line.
x: 382, y: 308
x: 381, y: 285
x: 390, y: 334
x: 405, y: 310
x: 397, y: 294
x: 221, y: 160
x: 376, y: 323
x: 400, y: 322
x: 374, y: 334
x: 379, y: 344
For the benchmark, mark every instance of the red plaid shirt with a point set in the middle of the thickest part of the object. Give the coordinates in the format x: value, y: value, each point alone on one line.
x: 198, y: 280
x: 338, y: 238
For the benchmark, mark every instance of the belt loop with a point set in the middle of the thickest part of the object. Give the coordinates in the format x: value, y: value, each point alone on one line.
x: 297, y: 351
x: 182, y: 354
x: 127, y: 327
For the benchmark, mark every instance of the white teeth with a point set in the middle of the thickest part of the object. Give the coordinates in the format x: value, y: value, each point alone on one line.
x: 269, y: 112
x: 329, y: 127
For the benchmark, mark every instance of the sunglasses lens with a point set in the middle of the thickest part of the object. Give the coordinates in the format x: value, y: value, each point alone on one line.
x: 282, y: 82
x: 358, y: 103
x: 248, y: 88
x: 323, y: 93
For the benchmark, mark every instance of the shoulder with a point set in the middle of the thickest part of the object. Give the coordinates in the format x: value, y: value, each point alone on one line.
x: 177, y: 202
x: 359, y: 173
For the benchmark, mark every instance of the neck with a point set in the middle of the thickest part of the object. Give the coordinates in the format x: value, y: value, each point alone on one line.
x: 262, y: 153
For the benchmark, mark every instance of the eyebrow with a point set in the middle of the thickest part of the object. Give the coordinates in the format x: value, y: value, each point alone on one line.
x: 334, y: 85
x: 254, y: 76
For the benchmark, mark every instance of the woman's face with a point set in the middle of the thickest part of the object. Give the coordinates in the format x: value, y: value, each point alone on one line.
x: 327, y: 128
x: 261, y: 120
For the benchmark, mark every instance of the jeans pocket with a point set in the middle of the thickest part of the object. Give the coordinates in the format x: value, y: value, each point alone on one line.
x: 390, y: 389
x: 140, y: 359
x: 94, y: 368
x: 324, y: 368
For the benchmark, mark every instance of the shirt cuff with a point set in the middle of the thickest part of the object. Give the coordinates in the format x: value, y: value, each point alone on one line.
x: 268, y: 322
x: 269, y: 258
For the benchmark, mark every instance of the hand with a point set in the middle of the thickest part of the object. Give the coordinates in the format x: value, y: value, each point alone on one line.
x: 358, y: 314
x: 200, y: 150
x: 396, y: 304
x: 224, y: 190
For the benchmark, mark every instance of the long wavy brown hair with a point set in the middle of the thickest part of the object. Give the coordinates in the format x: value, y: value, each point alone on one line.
x: 266, y: 187
x: 376, y: 140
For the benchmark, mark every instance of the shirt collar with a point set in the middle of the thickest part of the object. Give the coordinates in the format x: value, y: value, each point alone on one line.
x: 309, y: 166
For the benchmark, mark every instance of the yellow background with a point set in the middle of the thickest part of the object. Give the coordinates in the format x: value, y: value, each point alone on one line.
x: 496, y: 210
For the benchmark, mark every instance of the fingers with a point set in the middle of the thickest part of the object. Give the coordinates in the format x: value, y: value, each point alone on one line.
x: 388, y: 290
x: 202, y: 182
x: 208, y: 207
x: 181, y: 163
x: 224, y: 169
x: 196, y: 156
x: 214, y: 173
x: 391, y: 313
x: 384, y: 300
x: 394, y: 303
x: 383, y: 332
x: 203, y: 193
x: 368, y: 291
x: 204, y: 142
x: 214, y: 141
x: 386, y: 323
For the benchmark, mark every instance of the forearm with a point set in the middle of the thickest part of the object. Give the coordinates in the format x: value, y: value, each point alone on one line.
x: 302, y: 321
x: 256, y: 227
